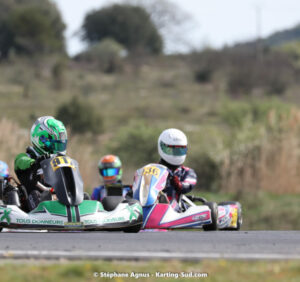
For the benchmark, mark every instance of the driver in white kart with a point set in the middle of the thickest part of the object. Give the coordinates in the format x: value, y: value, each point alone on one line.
x: 48, y: 136
x: 172, y: 148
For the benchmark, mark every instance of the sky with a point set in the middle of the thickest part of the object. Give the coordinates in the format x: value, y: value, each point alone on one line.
x: 215, y: 22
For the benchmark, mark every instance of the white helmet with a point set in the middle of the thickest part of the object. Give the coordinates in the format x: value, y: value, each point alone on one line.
x: 172, y: 146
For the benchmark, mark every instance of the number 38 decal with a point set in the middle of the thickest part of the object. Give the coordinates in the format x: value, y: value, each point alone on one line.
x: 61, y: 161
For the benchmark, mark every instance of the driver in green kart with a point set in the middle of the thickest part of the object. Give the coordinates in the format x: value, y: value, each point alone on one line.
x: 48, y: 136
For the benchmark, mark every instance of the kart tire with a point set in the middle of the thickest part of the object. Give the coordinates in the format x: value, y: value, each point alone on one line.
x: 133, y: 229
x: 214, y: 216
x: 110, y: 202
x: 239, y: 216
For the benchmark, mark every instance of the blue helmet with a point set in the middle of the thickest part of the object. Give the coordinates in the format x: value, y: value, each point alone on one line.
x: 4, y: 172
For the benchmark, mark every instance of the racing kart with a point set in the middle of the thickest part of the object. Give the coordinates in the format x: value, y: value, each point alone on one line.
x: 160, y: 213
x: 63, y: 206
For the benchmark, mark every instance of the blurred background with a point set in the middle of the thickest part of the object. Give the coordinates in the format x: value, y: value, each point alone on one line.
x: 119, y: 72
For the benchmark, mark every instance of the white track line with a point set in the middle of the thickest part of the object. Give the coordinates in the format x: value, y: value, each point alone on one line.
x: 17, y: 254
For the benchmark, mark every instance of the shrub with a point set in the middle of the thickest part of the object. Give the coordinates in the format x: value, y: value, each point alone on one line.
x: 107, y: 54
x: 207, y: 170
x: 136, y: 144
x: 203, y: 74
x: 81, y: 116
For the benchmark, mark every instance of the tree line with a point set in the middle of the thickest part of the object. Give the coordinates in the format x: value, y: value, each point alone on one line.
x: 30, y: 27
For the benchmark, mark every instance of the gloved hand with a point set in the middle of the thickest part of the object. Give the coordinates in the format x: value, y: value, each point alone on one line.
x: 175, y: 181
x: 36, y: 163
x: 43, y: 157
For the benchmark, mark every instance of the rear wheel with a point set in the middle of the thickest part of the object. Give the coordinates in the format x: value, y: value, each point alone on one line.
x: 239, y: 215
x: 214, y: 217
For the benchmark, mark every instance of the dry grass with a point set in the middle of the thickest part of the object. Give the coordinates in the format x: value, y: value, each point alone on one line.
x: 272, y: 164
x: 14, y: 140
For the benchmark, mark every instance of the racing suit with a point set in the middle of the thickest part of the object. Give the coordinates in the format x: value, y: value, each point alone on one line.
x: 28, y: 172
x: 100, y: 192
x: 187, y: 179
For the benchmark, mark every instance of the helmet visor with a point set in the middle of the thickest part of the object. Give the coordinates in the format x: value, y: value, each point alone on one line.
x: 58, y: 145
x: 107, y: 172
x: 173, y: 150
x: 55, y: 145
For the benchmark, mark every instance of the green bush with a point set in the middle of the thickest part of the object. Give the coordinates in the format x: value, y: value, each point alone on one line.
x: 81, y: 116
x: 234, y: 114
x: 203, y: 74
x: 207, y: 170
x: 107, y: 54
x: 136, y: 144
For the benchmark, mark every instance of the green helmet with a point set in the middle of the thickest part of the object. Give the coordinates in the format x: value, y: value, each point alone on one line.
x: 49, y: 135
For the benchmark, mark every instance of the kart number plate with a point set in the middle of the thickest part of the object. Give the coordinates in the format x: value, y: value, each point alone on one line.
x: 151, y: 170
x: 61, y: 161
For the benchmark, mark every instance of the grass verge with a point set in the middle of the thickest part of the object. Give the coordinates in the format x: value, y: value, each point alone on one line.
x: 220, y: 270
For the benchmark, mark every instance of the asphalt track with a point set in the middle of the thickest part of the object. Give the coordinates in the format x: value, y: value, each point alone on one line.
x: 184, y: 245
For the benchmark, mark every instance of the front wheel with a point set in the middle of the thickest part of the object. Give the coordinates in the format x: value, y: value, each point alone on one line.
x: 214, y: 217
x: 133, y: 229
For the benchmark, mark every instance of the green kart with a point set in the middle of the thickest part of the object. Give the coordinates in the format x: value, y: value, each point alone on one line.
x: 63, y: 206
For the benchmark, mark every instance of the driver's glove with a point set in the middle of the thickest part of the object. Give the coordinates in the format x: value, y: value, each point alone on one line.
x: 175, y: 181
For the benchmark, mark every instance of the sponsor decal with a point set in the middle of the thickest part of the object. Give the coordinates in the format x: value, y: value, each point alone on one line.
x: 73, y: 224
x: 90, y: 221
x: 134, y: 211
x: 200, y: 217
x: 39, y: 221
x: 234, y: 216
x: 114, y: 219
x: 62, y: 161
x: 5, y: 215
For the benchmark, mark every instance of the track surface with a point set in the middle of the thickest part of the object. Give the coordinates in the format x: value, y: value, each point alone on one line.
x: 184, y: 245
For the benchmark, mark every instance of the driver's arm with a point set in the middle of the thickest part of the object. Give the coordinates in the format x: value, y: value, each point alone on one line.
x: 188, y: 180
x: 23, y: 162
